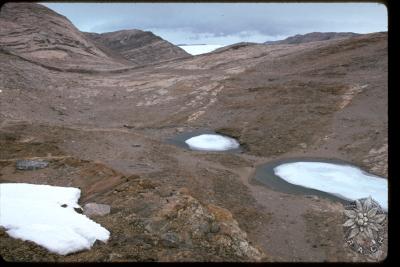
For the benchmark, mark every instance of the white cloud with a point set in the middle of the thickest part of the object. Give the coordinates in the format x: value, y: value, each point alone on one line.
x: 225, y: 23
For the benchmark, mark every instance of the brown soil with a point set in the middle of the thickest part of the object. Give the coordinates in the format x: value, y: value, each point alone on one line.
x: 105, y: 132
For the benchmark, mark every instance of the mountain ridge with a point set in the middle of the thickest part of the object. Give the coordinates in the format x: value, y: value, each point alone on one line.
x: 313, y: 37
x: 37, y: 33
x: 138, y: 46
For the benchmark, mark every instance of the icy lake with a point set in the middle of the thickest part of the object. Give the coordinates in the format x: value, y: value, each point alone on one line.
x: 334, y: 179
x: 205, y: 140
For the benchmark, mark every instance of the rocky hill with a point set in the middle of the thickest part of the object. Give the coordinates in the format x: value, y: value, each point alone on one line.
x: 107, y: 132
x: 313, y: 37
x: 140, y: 47
x: 234, y: 46
x: 36, y: 33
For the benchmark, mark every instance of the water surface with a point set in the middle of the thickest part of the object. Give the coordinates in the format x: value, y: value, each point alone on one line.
x: 266, y: 175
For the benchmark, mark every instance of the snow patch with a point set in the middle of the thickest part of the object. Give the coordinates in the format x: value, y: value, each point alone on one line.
x: 33, y: 212
x: 199, y: 49
x: 212, y: 142
x: 342, y: 180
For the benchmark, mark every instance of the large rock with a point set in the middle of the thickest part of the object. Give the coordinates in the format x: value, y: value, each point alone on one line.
x: 208, y: 227
x: 94, y: 209
x: 28, y: 165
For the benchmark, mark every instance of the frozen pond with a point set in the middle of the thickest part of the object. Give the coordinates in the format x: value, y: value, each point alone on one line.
x: 206, y: 140
x: 334, y: 179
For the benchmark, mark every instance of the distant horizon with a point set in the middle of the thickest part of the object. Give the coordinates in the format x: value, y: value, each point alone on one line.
x: 226, y: 23
x: 193, y: 44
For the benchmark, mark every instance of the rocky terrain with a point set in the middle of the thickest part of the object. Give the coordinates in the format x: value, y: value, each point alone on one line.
x: 101, y: 118
x: 138, y: 46
x: 233, y: 46
x: 47, y: 38
x: 313, y: 37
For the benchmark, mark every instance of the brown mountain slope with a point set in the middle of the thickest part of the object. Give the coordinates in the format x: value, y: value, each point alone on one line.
x: 37, y: 33
x: 318, y: 99
x: 233, y: 46
x: 138, y: 46
x: 313, y: 37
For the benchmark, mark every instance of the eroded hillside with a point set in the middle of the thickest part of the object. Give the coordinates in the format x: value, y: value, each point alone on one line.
x: 138, y: 46
x: 105, y: 130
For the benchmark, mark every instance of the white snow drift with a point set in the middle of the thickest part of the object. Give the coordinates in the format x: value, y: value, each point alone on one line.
x: 33, y: 212
x: 199, y: 49
x: 342, y: 180
x: 212, y: 142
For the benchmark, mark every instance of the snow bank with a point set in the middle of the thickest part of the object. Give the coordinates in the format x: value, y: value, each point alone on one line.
x: 199, y: 49
x: 212, y: 142
x: 342, y: 180
x: 33, y: 212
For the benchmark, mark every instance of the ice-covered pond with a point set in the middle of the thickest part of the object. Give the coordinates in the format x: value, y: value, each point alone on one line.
x: 205, y: 140
x: 334, y: 179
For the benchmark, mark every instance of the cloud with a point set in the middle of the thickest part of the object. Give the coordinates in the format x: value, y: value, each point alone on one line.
x: 216, y: 21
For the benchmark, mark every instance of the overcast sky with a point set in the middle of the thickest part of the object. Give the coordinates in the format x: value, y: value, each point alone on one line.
x: 225, y: 23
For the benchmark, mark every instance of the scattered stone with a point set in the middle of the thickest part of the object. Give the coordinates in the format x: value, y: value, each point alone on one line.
x: 214, y: 228
x: 114, y: 256
x: 201, y: 230
x: 303, y: 145
x: 312, y: 197
x: 64, y: 205
x: 78, y: 210
x: 28, y: 165
x: 165, y: 192
x: 94, y: 209
x: 170, y: 239
x: 184, y: 191
x: 204, y: 228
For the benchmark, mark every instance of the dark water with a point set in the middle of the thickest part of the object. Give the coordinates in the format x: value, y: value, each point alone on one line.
x: 265, y: 175
x: 179, y: 140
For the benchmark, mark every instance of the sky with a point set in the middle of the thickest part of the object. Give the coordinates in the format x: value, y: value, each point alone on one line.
x: 225, y: 23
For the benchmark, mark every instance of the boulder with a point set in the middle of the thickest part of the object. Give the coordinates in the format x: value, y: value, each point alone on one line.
x: 95, y: 209
x: 170, y: 239
x: 27, y: 165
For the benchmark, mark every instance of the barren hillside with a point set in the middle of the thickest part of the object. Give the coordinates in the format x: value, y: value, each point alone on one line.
x: 313, y: 37
x: 104, y: 128
x: 138, y: 46
x: 36, y: 33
